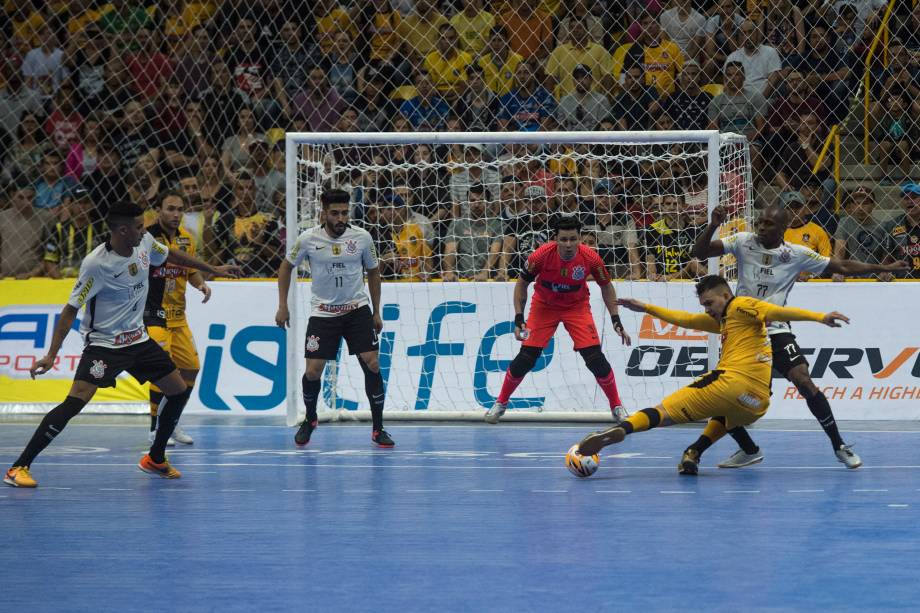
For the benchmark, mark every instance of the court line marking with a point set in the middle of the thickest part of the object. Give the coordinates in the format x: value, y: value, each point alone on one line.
x: 398, y: 426
x: 803, y: 491
x: 898, y: 506
x: 421, y: 491
x: 613, y: 491
x: 298, y: 490
x: 115, y: 489
x: 549, y: 491
x: 870, y: 490
x: 232, y: 490
x: 676, y: 492
x: 484, y: 491
x: 545, y: 466
x: 741, y: 492
x: 358, y: 491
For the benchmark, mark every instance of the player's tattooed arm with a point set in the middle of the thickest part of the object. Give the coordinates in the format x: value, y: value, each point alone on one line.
x: 181, y: 258
x: 855, y: 267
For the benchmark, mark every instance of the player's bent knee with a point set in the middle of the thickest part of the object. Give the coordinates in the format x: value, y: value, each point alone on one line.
x: 596, y: 361
x: 370, y: 361
x: 82, y: 390
x: 172, y: 384
x: 524, y: 361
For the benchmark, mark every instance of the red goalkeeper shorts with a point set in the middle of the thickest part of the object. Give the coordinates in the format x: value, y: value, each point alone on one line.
x: 543, y: 320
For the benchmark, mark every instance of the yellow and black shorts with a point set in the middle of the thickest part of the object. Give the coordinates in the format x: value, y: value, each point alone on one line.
x: 178, y: 343
x: 719, y: 394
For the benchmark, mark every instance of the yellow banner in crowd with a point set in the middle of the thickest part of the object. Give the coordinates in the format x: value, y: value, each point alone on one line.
x: 28, y: 312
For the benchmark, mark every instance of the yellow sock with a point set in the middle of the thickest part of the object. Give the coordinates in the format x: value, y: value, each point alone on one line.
x: 714, y: 430
x: 643, y: 420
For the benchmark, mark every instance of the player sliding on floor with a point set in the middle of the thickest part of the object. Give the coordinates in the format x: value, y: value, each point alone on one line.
x: 561, y: 269
x: 737, y: 392
x: 339, y: 254
x: 113, y: 285
x: 767, y: 269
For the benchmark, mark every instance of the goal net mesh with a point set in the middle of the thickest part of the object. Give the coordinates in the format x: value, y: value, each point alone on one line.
x: 453, y: 224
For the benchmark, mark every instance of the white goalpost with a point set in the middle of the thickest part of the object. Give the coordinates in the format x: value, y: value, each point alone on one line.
x: 434, y: 200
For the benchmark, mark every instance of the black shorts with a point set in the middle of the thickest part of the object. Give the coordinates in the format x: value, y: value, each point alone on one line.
x: 145, y: 361
x: 786, y: 353
x: 325, y: 333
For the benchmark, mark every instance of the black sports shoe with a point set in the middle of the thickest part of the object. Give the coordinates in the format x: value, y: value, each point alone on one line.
x: 382, y: 439
x: 689, y: 463
x: 302, y: 438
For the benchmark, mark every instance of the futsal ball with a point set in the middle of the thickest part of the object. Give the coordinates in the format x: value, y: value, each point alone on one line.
x: 579, y: 465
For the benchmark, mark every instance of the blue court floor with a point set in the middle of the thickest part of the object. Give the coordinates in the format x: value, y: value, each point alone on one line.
x: 458, y: 518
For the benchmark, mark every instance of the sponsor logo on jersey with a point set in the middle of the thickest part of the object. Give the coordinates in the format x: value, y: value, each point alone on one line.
x: 97, y: 370
x: 749, y: 400
x: 126, y: 338
x: 132, y: 268
x: 312, y: 343
x: 337, y: 249
x: 81, y: 297
x: 578, y: 273
x: 351, y: 247
x: 337, y: 308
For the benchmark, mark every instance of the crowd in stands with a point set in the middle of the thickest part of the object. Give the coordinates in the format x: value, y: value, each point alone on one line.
x: 106, y: 101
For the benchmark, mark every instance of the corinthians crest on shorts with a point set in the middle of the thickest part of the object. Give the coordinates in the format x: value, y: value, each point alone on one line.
x: 97, y: 370
x: 312, y: 342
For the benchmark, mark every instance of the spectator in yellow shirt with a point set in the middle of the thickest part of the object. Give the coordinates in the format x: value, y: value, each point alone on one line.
x: 661, y: 59
x: 447, y: 64
x: 578, y: 51
x: 802, y: 228
x: 413, y: 258
x: 331, y: 18
x: 382, y: 29
x: 421, y: 28
x: 499, y: 63
x: 473, y: 24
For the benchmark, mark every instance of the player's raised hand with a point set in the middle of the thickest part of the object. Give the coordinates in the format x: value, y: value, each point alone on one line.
x: 834, y: 318
x: 229, y: 270
x: 632, y: 305
x: 283, y: 317
x: 896, y: 267
x: 719, y: 214
x: 41, y: 366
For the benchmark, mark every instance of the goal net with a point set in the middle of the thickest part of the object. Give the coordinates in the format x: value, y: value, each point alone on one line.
x: 454, y: 216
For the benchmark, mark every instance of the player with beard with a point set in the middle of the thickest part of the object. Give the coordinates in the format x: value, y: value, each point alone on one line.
x: 339, y: 254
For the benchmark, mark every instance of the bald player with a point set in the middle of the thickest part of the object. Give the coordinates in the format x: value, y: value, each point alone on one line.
x: 767, y: 269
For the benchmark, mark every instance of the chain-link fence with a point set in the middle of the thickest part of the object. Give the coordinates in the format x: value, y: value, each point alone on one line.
x: 106, y: 101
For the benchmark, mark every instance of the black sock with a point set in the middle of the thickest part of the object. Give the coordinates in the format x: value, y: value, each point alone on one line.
x: 821, y: 409
x: 310, y: 396
x: 170, y: 412
x: 52, y: 425
x: 156, y: 399
x: 373, y: 386
x: 744, y: 440
x: 702, y: 444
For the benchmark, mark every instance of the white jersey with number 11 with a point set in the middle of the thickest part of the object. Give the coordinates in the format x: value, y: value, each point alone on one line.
x: 337, y: 267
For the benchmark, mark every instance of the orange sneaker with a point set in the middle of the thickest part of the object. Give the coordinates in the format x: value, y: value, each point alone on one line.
x: 19, y: 476
x: 164, y: 470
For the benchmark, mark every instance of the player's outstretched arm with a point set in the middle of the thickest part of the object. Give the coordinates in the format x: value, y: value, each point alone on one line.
x: 705, y: 247
x: 609, y: 294
x: 283, y: 316
x: 63, y: 326
x: 786, y: 313
x: 849, y: 268
x: 181, y: 258
x: 684, y: 319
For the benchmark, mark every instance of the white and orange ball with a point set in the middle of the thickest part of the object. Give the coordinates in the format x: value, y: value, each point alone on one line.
x: 580, y: 465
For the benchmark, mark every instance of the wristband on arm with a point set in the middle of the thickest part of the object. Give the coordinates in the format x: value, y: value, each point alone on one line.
x: 617, y: 323
x: 519, y: 320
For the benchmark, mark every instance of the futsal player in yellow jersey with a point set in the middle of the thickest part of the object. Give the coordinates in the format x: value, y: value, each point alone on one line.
x: 164, y: 312
x: 737, y: 391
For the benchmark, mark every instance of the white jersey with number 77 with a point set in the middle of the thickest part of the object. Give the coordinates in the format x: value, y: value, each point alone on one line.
x: 337, y: 267
x: 769, y: 274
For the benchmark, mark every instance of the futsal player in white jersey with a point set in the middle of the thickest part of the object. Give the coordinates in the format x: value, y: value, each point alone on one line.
x: 767, y: 269
x: 112, y: 287
x: 339, y: 254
